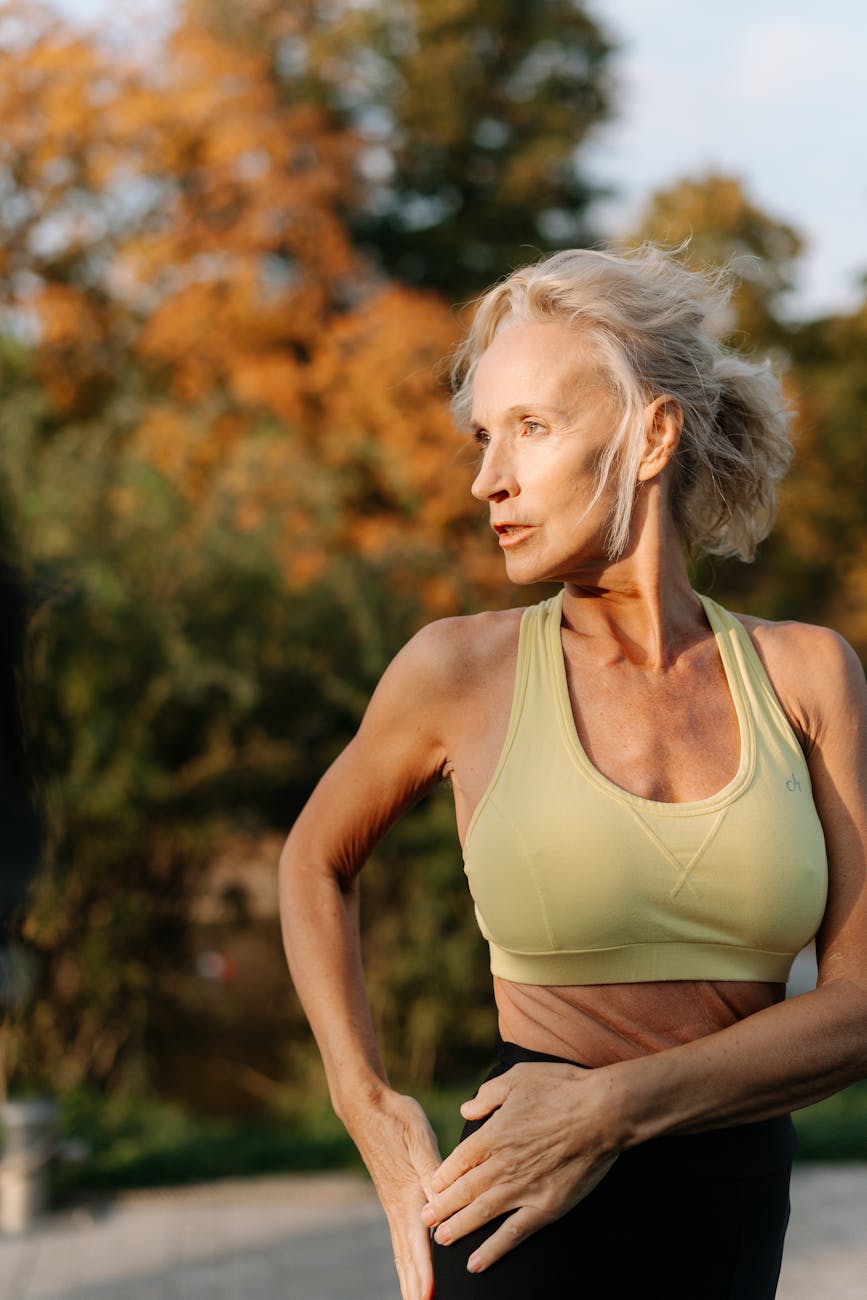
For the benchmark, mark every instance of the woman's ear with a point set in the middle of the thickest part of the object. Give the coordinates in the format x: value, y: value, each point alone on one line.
x: 664, y: 422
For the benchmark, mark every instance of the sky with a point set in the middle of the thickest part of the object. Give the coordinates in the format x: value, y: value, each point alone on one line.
x: 770, y: 91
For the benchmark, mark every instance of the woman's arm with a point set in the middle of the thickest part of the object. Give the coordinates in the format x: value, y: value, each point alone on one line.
x: 397, y: 755
x: 804, y: 1049
x: 544, y: 1152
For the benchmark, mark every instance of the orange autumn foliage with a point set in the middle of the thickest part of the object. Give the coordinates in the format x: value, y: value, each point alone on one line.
x: 197, y: 260
x: 374, y: 383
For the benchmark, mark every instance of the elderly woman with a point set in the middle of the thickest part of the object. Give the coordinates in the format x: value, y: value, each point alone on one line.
x: 659, y: 803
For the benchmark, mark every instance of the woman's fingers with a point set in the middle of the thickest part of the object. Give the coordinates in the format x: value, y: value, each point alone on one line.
x: 426, y: 1159
x: 532, y: 1207
x: 422, y: 1265
x: 510, y: 1233
x: 476, y: 1204
x: 489, y: 1096
x: 412, y: 1255
x: 530, y: 1162
x: 466, y: 1156
x: 482, y: 1188
x: 413, y: 1264
x: 402, y: 1156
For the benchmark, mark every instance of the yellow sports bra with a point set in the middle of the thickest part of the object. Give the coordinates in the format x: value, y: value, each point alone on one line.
x: 576, y: 881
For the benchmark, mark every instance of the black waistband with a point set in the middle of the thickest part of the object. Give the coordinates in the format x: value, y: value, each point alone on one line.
x: 510, y: 1054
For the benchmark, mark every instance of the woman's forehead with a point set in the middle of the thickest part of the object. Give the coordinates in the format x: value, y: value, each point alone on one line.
x: 534, y: 362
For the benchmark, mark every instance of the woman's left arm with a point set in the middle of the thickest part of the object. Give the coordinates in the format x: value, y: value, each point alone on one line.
x: 558, y: 1130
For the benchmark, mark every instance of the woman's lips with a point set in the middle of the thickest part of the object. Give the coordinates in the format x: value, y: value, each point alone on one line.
x: 512, y: 534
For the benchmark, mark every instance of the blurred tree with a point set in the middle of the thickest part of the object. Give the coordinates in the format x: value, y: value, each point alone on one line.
x: 187, y: 687
x: 227, y: 453
x: 217, y: 424
x: 469, y: 116
x: 724, y: 225
x: 813, y: 566
x: 824, y: 516
x: 64, y: 202
x: 179, y: 210
x: 213, y: 288
x: 716, y: 223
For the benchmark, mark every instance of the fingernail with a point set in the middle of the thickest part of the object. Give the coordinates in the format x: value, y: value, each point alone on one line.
x: 443, y: 1236
x: 427, y: 1215
x: 473, y: 1264
x: 437, y: 1183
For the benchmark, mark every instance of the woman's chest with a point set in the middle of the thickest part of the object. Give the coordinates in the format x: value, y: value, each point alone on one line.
x: 667, y: 736
x: 673, y: 740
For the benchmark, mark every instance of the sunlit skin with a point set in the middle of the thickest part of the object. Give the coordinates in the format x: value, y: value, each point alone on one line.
x: 538, y: 465
x: 542, y: 413
x: 541, y: 417
x: 655, y: 716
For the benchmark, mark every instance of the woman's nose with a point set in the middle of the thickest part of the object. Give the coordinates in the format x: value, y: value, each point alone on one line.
x: 495, y: 480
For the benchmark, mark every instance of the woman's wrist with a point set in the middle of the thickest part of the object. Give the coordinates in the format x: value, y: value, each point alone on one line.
x: 624, y: 1104
x: 356, y: 1096
x: 656, y: 1095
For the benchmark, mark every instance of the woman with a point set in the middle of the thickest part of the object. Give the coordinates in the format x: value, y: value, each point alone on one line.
x: 659, y: 803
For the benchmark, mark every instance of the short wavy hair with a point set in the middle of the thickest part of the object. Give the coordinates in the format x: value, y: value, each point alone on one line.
x: 650, y: 322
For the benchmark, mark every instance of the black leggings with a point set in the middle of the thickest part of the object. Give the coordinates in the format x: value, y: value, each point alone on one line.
x: 698, y: 1217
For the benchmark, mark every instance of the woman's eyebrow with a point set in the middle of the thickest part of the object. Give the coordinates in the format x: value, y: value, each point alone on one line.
x: 522, y: 408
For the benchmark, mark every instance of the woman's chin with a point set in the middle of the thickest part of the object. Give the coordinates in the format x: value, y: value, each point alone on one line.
x: 525, y: 573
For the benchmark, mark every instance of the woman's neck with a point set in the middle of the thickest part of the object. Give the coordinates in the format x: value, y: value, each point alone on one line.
x: 642, y: 601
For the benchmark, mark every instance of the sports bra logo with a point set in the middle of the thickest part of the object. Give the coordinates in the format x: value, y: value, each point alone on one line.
x: 793, y: 784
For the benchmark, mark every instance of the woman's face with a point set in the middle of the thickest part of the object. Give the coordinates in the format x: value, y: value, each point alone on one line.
x: 542, y: 413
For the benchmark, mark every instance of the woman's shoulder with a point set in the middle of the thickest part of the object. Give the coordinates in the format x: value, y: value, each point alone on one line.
x: 814, y: 671
x: 450, y: 650
x: 441, y: 681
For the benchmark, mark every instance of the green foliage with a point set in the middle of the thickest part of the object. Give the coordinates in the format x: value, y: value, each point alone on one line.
x: 213, y: 617
x: 486, y: 105
x: 836, y: 1128
x: 185, y: 691
x: 470, y: 115
x: 813, y: 566
x: 426, y: 963
x: 149, y: 1142
x: 725, y: 227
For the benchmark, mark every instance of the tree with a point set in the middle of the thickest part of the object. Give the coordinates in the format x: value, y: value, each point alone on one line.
x: 724, y: 226
x: 813, y: 565
x: 824, y: 516
x: 470, y: 116
x: 217, y: 424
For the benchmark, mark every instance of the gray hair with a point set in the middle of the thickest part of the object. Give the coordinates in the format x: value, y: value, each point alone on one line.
x: 649, y: 321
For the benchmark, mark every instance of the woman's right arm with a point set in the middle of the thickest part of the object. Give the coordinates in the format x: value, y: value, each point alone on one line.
x: 398, y: 753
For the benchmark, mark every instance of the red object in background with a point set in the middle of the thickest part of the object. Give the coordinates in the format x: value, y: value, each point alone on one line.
x: 215, y: 966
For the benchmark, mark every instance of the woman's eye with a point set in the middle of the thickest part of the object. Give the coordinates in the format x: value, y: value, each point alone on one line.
x: 533, y: 426
x: 481, y: 438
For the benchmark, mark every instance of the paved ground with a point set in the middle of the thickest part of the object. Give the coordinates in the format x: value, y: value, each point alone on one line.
x: 826, y: 1246
x: 324, y: 1238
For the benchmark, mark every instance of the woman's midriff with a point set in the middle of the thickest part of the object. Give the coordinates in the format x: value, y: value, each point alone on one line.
x: 598, y: 1024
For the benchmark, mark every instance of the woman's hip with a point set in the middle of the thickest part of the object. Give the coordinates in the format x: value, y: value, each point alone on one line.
x: 674, y: 1218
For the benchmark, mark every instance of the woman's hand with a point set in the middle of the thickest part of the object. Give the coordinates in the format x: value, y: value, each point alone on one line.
x: 400, y: 1150
x: 551, y: 1140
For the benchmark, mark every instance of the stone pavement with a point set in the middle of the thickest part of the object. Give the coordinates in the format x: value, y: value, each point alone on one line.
x: 324, y: 1238
x: 826, y: 1245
